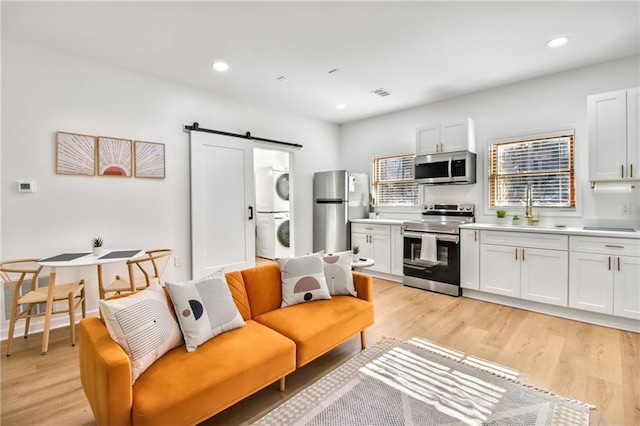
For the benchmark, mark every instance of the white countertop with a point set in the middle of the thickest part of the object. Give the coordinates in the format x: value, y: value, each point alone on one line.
x: 380, y: 221
x: 551, y: 230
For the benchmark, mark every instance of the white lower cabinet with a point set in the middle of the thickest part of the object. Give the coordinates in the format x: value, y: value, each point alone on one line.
x: 604, y: 276
x: 397, y: 248
x: 499, y: 270
x: 375, y: 243
x: 544, y: 276
x: 538, y: 271
x: 470, y: 259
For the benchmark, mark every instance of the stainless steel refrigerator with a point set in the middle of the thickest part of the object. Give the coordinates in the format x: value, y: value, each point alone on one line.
x: 338, y: 197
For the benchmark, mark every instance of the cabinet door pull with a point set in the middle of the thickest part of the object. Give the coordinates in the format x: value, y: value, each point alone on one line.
x: 618, y: 264
x: 523, y: 255
x: 401, y: 231
x: 622, y: 171
x: 516, y: 251
x: 613, y: 246
x: 369, y: 229
x: 609, y: 262
x: 441, y: 147
x: 630, y: 170
x: 475, y: 235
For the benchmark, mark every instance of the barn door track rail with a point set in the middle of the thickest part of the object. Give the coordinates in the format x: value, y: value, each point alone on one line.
x: 196, y: 127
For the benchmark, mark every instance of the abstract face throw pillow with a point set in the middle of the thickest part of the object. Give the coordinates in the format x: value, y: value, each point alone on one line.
x: 303, y: 279
x: 204, y: 308
x: 337, y: 271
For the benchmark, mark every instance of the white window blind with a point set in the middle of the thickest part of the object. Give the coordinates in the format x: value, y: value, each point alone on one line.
x: 393, y: 181
x: 547, y: 164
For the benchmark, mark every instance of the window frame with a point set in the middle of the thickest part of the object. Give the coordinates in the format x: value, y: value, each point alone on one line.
x: 374, y: 182
x: 559, y: 211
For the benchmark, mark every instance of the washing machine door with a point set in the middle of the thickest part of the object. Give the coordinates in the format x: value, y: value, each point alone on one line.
x: 282, y: 186
x: 283, y: 233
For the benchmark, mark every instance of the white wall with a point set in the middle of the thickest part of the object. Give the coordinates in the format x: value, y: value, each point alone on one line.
x: 44, y: 92
x: 538, y: 104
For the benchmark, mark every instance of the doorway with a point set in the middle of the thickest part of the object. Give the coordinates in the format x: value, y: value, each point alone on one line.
x: 274, y: 203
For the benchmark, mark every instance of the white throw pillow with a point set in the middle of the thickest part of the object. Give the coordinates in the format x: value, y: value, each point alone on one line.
x: 143, y: 325
x: 337, y: 271
x: 303, y: 279
x: 205, y: 308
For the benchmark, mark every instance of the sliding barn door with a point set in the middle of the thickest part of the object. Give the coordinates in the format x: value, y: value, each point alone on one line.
x: 222, y: 200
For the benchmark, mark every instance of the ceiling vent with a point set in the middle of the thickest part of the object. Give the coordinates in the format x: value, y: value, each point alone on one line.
x: 381, y: 92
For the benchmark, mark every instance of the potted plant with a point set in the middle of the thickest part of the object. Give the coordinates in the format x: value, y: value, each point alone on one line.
x: 516, y: 219
x: 501, y: 215
x: 355, y: 250
x: 97, y: 244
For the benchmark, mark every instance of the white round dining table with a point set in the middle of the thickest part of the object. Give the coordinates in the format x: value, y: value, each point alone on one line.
x: 76, y: 260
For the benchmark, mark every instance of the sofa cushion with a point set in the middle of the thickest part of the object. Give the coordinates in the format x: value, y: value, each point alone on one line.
x: 303, y: 280
x: 337, y: 271
x: 239, y: 293
x: 204, y: 308
x: 319, y: 326
x: 143, y: 324
x: 264, y: 288
x: 187, y: 388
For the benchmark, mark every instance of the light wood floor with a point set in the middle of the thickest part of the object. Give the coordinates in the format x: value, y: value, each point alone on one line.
x: 593, y: 364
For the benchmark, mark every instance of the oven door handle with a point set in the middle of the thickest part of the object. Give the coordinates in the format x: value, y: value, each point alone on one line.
x: 419, y: 268
x: 450, y: 171
x: 450, y: 238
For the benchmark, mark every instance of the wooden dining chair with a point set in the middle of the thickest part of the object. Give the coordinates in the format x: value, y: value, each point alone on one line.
x: 21, y: 276
x: 143, y: 271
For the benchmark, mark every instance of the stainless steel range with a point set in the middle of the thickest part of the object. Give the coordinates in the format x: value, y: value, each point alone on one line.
x: 432, y: 248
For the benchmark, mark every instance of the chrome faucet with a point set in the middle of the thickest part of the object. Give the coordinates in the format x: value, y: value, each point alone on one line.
x: 528, y: 212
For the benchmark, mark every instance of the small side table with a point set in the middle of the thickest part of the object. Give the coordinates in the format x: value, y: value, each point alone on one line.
x: 362, y: 262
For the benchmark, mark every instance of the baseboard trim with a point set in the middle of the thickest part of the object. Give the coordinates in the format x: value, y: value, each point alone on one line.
x: 611, y: 321
x: 37, y: 324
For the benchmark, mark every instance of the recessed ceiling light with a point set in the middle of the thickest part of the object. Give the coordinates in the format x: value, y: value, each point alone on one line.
x: 340, y: 106
x: 557, y: 42
x: 220, y: 66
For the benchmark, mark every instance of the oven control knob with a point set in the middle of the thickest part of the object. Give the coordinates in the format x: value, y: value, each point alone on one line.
x: 468, y: 208
x: 460, y: 207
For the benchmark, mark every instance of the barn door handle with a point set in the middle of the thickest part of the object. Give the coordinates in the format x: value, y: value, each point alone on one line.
x: 250, y: 212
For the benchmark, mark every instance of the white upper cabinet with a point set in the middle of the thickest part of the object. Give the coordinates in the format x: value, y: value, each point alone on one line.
x: 613, y: 135
x: 446, y: 137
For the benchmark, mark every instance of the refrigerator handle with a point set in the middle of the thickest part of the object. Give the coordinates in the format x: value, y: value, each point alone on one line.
x: 329, y: 201
x: 250, y: 212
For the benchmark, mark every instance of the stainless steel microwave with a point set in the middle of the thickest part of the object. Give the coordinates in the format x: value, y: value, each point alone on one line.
x: 446, y: 168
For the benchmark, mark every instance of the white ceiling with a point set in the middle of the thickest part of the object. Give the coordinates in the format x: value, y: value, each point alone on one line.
x: 419, y: 51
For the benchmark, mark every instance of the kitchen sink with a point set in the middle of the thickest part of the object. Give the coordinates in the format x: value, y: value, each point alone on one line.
x: 604, y: 228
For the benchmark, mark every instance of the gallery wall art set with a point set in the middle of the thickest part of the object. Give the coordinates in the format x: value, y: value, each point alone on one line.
x: 86, y: 155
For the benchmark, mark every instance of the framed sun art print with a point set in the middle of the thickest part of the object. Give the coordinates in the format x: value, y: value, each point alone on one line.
x: 149, y: 160
x: 115, y: 157
x: 75, y: 154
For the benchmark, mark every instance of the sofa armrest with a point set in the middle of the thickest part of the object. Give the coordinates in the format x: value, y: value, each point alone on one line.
x: 105, y: 374
x: 364, y: 286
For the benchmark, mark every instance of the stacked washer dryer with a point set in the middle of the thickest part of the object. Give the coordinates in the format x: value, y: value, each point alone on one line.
x: 272, y: 218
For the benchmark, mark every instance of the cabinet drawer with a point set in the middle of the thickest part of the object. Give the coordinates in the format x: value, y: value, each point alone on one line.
x: 605, y: 245
x: 365, y: 228
x: 525, y: 239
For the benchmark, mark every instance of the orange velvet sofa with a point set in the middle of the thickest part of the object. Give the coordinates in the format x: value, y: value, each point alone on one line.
x: 184, y: 388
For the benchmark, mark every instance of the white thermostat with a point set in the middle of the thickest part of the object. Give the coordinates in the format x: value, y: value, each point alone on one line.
x: 25, y: 186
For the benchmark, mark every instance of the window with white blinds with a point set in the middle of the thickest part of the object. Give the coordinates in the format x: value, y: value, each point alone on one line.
x: 547, y: 164
x: 393, y: 183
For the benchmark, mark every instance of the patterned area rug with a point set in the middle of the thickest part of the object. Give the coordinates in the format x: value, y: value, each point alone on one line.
x: 420, y: 383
